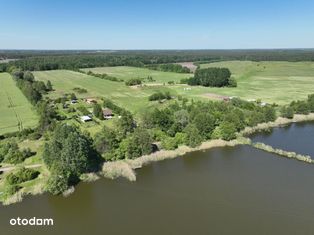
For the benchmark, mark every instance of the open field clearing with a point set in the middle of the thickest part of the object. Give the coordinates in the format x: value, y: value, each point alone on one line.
x: 63, y: 81
x: 279, y: 82
x: 126, y: 72
x: 16, y: 111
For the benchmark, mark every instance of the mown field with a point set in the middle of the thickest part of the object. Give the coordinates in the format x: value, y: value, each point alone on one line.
x: 16, y: 111
x: 279, y: 82
x: 126, y: 72
x: 63, y: 81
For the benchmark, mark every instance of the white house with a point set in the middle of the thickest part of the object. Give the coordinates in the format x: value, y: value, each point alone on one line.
x: 86, y: 118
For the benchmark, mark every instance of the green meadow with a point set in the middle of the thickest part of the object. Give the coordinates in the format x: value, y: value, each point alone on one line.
x: 126, y: 72
x: 131, y: 98
x: 16, y: 111
x: 272, y: 82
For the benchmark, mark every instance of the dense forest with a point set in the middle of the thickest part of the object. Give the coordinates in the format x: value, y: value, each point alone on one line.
x: 48, y: 60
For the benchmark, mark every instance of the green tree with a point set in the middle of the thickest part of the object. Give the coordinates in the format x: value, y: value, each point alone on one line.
x: 193, y: 135
x: 270, y: 113
x: 49, y: 86
x: 125, y: 124
x: 228, y: 130
x: 205, y: 123
x: 106, y: 140
x: 68, y: 154
x: 97, y: 111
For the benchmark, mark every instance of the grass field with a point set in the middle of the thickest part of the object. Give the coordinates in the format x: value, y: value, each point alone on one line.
x: 63, y: 81
x: 279, y: 82
x: 126, y: 72
x: 16, y: 111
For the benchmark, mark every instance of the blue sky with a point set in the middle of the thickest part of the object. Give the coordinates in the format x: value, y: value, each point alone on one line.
x: 158, y: 24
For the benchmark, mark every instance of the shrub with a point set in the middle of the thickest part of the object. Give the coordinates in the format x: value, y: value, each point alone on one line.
x: 80, y: 90
x: 83, y: 110
x: 232, y: 82
x: 169, y: 143
x: 10, y: 153
x: 227, y: 130
x: 160, y: 96
x: 22, y: 175
x: 57, y: 184
x: 287, y: 112
x: 133, y: 82
x: 11, y: 190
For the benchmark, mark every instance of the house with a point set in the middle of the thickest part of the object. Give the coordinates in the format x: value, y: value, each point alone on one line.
x: 263, y: 104
x: 90, y: 101
x: 86, y: 119
x: 107, y: 113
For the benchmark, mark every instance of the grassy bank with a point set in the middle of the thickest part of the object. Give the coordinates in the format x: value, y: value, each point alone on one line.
x: 283, y: 153
x: 278, y: 123
x: 125, y: 168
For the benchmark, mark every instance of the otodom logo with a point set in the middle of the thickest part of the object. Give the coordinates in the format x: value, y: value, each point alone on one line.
x: 31, y: 221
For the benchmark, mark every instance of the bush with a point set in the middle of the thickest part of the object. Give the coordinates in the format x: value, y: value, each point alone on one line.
x: 287, y: 112
x: 133, y: 82
x: 232, y: 82
x: 79, y: 90
x: 10, y: 153
x: 83, y: 110
x: 228, y: 130
x: 22, y: 175
x: 11, y: 190
x: 57, y: 184
x: 169, y: 143
x: 160, y: 96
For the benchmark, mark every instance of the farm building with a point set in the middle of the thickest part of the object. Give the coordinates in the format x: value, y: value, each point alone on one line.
x: 86, y: 119
x: 107, y: 113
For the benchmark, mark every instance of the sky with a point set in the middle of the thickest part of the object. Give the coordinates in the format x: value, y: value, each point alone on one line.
x: 156, y: 24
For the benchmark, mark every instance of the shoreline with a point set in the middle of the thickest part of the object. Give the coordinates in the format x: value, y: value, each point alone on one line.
x: 126, y: 168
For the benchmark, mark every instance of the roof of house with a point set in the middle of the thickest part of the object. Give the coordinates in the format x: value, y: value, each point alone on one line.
x: 107, y: 111
x: 86, y: 118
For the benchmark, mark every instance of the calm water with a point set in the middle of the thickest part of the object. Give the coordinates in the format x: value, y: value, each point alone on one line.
x: 297, y: 137
x: 237, y: 190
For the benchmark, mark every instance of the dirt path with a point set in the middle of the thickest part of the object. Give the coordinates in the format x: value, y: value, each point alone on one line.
x: 10, y: 168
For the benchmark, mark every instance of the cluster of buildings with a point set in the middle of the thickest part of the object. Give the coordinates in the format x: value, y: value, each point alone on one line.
x: 107, y: 113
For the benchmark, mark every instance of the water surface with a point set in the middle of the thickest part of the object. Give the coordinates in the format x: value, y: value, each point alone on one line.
x: 297, y: 137
x: 231, y: 190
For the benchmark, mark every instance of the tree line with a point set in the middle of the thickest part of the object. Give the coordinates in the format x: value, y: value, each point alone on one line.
x: 48, y: 60
x: 177, y: 68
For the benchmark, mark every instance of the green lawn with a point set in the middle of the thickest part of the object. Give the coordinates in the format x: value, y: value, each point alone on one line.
x: 126, y: 72
x: 14, y: 107
x: 279, y: 82
x: 133, y: 99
